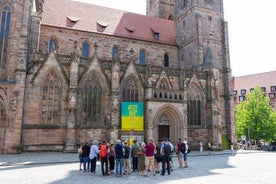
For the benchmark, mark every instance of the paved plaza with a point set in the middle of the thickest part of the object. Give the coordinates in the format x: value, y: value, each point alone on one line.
x: 221, y: 167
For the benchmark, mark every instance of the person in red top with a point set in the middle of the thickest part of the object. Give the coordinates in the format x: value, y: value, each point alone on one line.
x: 149, y: 161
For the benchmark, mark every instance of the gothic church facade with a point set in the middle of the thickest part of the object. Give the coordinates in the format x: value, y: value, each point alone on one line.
x: 66, y: 67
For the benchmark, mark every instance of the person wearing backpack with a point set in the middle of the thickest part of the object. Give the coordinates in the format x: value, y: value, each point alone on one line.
x: 103, y: 157
x: 185, y: 151
x: 126, y: 157
x: 166, y: 152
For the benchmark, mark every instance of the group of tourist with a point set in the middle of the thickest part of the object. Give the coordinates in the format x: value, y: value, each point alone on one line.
x: 146, y: 158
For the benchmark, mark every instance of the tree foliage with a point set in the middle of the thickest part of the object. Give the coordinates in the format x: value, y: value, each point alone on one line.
x: 257, y: 115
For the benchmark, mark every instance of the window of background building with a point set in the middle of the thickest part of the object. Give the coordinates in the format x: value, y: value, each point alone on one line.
x: 243, y: 91
x: 273, y: 88
x: 241, y: 98
x: 263, y: 89
x: 272, y: 95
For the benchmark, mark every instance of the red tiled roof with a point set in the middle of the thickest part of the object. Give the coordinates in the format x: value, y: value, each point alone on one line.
x: 87, y: 17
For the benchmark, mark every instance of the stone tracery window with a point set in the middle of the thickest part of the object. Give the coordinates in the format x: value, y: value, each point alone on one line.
x: 92, y: 95
x: 163, y: 84
x: 194, y: 106
x: 5, y: 16
x: 130, y: 91
x: 194, y: 112
x: 51, y: 95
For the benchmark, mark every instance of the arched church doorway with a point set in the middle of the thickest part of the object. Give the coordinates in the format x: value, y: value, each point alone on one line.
x: 163, y: 132
x: 167, y: 124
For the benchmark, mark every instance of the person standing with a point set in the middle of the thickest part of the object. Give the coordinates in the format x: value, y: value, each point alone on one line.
x: 166, y: 152
x: 103, y: 157
x: 126, y: 159
x: 209, y: 148
x: 85, y: 156
x: 149, y: 160
x: 179, y: 153
x: 158, y: 157
x: 111, y: 158
x: 141, y: 159
x: 119, y: 152
x: 185, y: 153
x: 200, y: 144
x: 94, y: 150
x: 232, y: 147
x: 80, y: 158
x: 134, y: 156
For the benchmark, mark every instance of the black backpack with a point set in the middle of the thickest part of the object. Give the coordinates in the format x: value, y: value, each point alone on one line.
x: 167, y: 149
x: 183, y: 147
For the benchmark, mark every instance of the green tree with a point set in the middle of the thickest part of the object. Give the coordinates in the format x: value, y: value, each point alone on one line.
x: 257, y: 115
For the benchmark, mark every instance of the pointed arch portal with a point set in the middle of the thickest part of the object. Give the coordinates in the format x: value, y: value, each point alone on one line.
x: 167, y: 123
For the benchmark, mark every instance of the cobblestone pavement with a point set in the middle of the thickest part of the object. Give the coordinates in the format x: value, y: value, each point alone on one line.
x: 222, y: 167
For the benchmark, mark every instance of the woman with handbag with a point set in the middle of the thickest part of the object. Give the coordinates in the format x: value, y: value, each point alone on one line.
x: 141, y: 159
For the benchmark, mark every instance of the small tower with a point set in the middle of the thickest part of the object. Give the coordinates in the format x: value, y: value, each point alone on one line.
x: 198, y: 24
x: 161, y: 8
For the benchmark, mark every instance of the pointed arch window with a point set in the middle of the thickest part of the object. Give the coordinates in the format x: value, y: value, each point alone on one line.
x: 142, y: 57
x: 92, y: 96
x: 4, y: 36
x: 130, y: 91
x: 166, y: 60
x: 194, y: 112
x: 163, y: 84
x: 115, y: 53
x: 52, y: 45
x: 3, y: 116
x: 85, y: 50
x: 50, y: 102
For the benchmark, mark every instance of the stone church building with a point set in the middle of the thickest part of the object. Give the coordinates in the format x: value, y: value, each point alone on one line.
x: 67, y: 67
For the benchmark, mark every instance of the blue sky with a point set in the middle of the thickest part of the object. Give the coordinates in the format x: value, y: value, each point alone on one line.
x: 252, y: 31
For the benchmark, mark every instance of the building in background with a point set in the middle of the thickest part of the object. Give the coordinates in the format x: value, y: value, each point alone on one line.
x: 71, y: 71
x: 243, y: 85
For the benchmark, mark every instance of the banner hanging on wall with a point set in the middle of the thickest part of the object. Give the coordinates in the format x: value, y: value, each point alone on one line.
x: 132, y: 115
